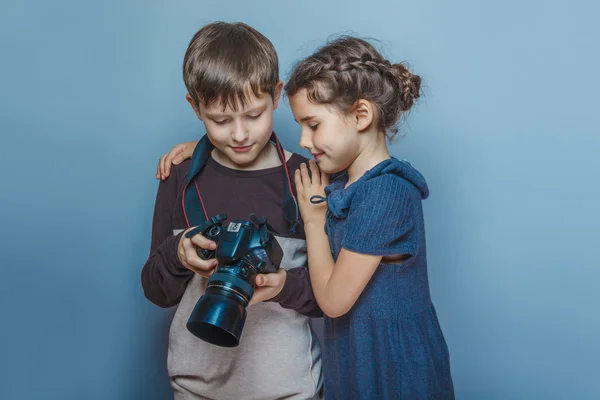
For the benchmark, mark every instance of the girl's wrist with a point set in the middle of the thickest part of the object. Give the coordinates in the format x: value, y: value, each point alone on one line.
x: 316, y: 222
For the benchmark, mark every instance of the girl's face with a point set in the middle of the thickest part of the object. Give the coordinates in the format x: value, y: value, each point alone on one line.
x: 331, y: 138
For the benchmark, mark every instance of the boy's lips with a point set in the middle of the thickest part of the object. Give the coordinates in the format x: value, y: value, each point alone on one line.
x: 317, y: 156
x: 241, y: 149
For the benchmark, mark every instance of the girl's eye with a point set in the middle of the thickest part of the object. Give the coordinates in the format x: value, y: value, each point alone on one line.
x: 313, y: 127
x: 256, y: 116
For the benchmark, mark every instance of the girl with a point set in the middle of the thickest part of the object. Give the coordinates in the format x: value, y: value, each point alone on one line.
x: 368, y: 267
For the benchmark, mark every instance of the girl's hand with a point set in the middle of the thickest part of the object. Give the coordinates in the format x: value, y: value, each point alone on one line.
x: 308, y: 186
x: 178, y: 153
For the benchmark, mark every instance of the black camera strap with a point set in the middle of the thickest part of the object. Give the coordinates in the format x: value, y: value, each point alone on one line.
x: 193, y: 206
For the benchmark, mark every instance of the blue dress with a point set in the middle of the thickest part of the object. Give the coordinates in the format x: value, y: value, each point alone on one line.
x: 389, y: 345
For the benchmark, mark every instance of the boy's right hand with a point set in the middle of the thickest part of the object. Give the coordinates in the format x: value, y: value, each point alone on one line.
x: 187, y: 251
x: 178, y: 153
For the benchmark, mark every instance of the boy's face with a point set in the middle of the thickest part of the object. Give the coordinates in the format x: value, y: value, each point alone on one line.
x: 240, y: 136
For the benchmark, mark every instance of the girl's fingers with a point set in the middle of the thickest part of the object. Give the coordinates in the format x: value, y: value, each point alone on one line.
x: 314, y: 172
x: 161, y: 168
x: 298, y: 180
x: 171, y: 157
x: 164, y: 166
x: 168, y: 162
x: 304, y: 172
x: 158, y: 169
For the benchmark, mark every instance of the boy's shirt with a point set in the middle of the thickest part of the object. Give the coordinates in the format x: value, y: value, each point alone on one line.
x: 279, y: 355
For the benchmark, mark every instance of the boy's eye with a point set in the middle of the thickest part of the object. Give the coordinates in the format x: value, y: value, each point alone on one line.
x: 221, y: 122
x: 255, y: 116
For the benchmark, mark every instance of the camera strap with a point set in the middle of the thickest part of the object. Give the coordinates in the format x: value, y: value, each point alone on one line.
x: 193, y: 206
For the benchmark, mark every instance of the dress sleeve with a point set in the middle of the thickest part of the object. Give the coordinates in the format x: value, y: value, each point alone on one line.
x: 380, y: 220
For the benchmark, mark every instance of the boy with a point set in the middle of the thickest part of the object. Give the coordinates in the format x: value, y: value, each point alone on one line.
x: 231, y: 74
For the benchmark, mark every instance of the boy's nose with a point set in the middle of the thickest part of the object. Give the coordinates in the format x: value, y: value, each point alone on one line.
x: 239, y: 133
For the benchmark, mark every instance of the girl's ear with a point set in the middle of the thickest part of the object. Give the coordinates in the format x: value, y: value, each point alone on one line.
x: 363, y: 113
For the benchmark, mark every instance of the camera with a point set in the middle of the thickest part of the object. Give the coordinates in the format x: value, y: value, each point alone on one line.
x: 244, y: 250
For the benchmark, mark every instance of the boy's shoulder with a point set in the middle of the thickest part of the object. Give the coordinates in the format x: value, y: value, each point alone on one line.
x: 179, y: 172
x: 295, y: 160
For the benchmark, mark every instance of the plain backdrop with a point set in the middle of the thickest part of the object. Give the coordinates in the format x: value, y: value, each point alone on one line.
x: 506, y: 134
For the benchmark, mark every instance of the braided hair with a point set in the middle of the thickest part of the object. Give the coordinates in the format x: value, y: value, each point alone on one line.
x: 348, y: 69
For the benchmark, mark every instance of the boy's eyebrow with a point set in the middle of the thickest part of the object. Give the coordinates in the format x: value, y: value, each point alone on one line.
x: 306, y: 118
x: 255, y: 109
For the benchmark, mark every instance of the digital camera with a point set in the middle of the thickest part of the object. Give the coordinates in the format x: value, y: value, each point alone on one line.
x: 244, y: 250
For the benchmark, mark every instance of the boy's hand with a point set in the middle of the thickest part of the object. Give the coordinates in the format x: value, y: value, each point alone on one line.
x: 308, y: 186
x: 178, y: 153
x: 187, y: 251
x: 268, y: 286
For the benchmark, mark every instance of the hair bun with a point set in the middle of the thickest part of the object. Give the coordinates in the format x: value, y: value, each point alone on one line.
x: 410, y: 85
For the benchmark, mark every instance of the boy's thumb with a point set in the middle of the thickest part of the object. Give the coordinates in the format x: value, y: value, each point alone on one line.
x: 261, y: 280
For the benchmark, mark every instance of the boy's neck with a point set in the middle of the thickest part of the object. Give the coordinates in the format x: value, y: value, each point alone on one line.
x: 267, y: 158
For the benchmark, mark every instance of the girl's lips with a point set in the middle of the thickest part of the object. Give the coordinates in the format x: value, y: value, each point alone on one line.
x: 317, y: 156
x: 243, y: 149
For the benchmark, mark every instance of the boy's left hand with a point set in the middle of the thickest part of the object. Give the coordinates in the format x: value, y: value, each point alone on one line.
x: 268, y: 286
x: 308, y: 186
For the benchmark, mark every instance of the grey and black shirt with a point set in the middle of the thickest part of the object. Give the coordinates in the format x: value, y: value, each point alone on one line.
x: 279, y: 355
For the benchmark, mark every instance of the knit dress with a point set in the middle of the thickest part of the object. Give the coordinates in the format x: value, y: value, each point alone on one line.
x: 389, y: 345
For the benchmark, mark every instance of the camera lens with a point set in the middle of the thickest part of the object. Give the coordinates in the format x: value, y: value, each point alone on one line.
x: 220, y: 314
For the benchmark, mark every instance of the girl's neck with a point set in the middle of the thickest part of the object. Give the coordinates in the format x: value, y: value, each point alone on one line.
x: 374, y: 151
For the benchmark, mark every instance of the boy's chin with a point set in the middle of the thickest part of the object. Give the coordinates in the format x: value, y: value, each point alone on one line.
x: 244, y: 160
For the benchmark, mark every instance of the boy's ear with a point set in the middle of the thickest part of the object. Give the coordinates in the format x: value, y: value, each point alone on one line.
x: 194, y: 105
x: 363, y: 114
x: 277, y: 94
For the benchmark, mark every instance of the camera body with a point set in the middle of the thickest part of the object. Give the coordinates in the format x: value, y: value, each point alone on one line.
x: 244, y: 250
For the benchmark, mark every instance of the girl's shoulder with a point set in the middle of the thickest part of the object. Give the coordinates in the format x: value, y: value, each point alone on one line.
x: 383, y: 216
x: 386, y: 194
x: 394, y: 172
x: 391, y: 184
x: 392, y: 180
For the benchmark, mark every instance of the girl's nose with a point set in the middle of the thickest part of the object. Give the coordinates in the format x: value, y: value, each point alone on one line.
x: 305, y: 140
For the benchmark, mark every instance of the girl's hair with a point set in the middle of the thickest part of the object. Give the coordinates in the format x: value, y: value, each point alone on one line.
x: 348, y: 69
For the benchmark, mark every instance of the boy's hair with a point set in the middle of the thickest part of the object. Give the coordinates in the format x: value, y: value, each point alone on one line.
x: 348, y: 69
x: 225, y: 61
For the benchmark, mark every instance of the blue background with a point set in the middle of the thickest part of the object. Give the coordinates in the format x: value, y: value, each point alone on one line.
x: 507, y: 135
